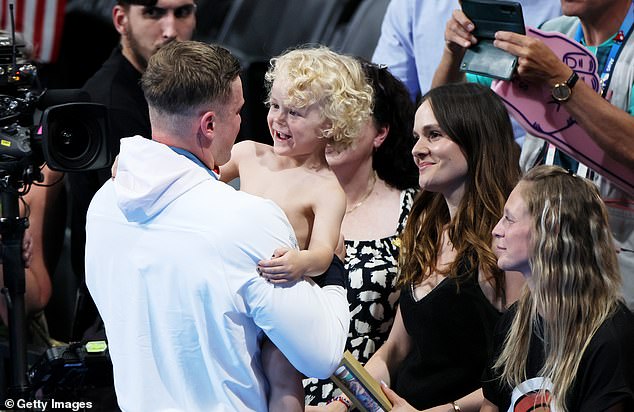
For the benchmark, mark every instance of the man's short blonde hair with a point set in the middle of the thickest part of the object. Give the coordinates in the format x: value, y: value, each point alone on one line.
x: 182, y: 77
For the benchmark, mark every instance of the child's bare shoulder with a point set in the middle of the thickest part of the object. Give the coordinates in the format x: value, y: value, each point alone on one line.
x: 250, y: 149
x: 325, y: 182
x: 328, y: 178
x: 326, y: 195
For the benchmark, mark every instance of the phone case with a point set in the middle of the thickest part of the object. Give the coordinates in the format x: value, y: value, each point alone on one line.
x: 490, y: 16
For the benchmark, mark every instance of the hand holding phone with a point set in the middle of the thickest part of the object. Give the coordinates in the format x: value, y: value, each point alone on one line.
x: 490, y: 16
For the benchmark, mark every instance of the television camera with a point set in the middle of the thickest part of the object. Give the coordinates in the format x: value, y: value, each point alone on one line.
x: 70, y: 137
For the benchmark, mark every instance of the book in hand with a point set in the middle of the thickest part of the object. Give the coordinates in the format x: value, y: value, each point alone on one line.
x: 361, y: 388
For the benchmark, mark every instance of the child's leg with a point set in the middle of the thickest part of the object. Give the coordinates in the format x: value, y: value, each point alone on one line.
x: 286, y: 390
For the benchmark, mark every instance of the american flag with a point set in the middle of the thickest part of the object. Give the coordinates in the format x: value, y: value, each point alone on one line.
x: 40, y: 22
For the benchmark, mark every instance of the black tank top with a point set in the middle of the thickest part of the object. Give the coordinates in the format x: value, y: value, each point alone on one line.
x: 452, y: 336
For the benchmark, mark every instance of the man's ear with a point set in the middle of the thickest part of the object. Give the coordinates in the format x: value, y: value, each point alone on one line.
x: 382, y: 132
x: 208, y: 124
x: 120, y: 19
x: 206, y: 129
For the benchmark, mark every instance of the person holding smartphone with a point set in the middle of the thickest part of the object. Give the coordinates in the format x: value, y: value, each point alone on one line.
x: 605, y: 28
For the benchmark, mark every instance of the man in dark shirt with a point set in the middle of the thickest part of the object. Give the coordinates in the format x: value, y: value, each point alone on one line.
x: 144, y: 26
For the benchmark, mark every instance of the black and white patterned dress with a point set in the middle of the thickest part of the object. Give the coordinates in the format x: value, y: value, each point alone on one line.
x: 372, y: 296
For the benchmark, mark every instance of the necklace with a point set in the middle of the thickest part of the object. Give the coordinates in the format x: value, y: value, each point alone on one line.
x: 365, y: 196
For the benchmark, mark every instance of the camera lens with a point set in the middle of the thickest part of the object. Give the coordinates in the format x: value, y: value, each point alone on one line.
x: 73, y: 142
x: 75, y: 137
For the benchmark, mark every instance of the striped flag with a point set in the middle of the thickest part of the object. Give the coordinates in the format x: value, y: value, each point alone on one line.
x: 40, y: 22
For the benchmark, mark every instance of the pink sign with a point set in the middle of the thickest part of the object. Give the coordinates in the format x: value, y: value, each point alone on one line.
x: 535, y: 109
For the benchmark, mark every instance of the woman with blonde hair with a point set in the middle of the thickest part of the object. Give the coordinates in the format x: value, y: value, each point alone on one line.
x: 568, y: 343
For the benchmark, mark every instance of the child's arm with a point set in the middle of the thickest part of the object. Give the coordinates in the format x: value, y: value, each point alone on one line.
x: 290, y: 264
x: 231, y: 169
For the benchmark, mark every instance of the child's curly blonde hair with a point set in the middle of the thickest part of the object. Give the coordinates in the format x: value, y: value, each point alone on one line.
x: 334, y: 81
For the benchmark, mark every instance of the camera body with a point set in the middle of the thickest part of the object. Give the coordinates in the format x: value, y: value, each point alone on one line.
x: 15, y: 141
x: 64, y: 371
x: 70, y: 137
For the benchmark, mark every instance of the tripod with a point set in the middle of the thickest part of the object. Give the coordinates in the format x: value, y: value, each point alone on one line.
x: 12, y: 228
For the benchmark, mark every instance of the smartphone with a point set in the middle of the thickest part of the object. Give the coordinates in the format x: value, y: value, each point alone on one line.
x: 490, y: 16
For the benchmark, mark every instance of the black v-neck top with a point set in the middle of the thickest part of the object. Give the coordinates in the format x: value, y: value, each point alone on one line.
x: 452, y: 335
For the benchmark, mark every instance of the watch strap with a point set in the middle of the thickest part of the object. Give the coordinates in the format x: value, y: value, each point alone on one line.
x: 572, y: 80
x: 562, y: 91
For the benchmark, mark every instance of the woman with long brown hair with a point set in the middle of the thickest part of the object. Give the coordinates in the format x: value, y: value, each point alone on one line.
x: 452, y: 292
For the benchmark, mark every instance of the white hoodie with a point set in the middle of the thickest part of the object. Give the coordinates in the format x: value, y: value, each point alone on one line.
x: 171, y: 258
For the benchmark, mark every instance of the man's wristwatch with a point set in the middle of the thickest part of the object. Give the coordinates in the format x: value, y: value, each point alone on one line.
x: 562, y: 91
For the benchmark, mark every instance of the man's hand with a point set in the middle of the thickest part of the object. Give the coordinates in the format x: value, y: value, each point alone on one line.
x: 458, y: 38
x: 536, y: 62
x: 458, y: 35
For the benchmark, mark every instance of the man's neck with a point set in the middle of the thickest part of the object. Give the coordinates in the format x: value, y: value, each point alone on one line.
x: 600, y: 27
x: 180, y: 143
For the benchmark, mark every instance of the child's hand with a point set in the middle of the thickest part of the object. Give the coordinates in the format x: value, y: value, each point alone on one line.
x: 284, y: 266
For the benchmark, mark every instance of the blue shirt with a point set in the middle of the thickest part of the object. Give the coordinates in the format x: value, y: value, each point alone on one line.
x: 413, y: 36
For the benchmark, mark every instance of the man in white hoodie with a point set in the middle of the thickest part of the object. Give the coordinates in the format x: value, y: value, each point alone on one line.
x: 171, y: 255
